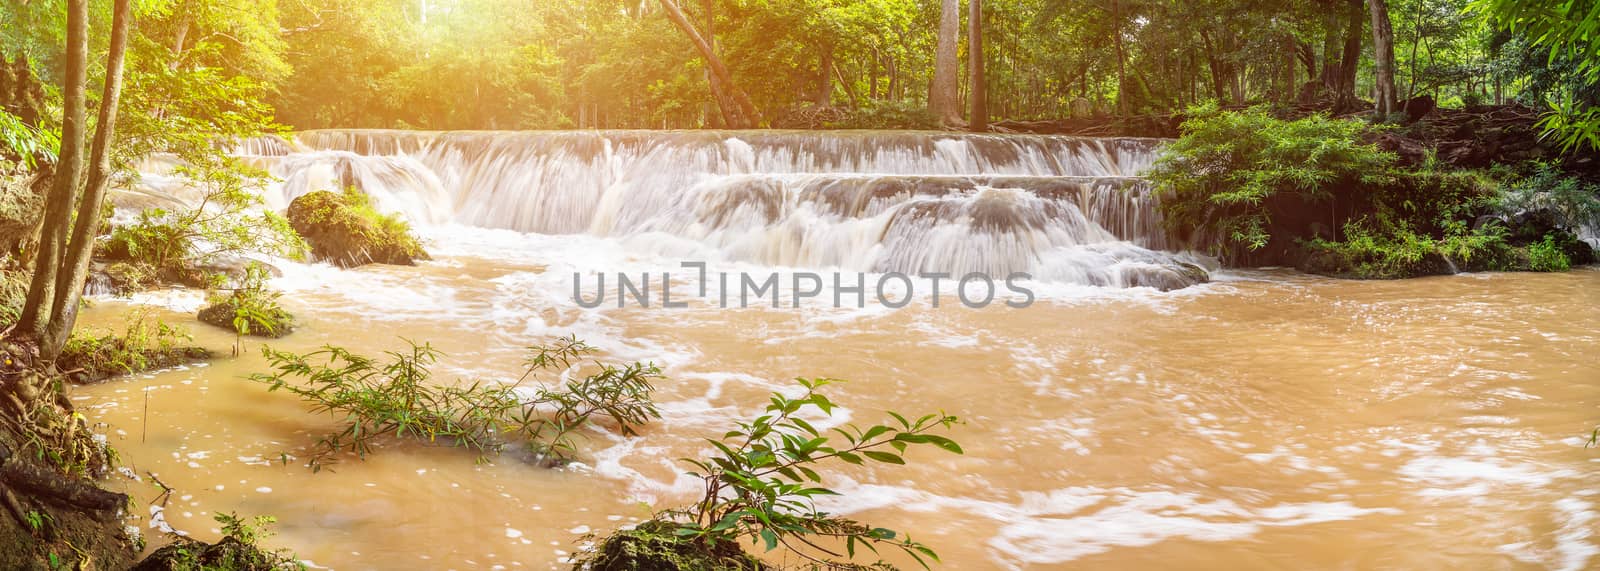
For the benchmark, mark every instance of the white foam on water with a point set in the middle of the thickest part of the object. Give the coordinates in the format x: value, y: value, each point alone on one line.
x: 1057, y: 526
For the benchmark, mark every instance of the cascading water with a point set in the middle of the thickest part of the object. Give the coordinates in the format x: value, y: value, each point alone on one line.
x: 1064, y: 209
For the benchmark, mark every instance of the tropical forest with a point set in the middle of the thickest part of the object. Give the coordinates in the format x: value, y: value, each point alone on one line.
x: 760, y: 285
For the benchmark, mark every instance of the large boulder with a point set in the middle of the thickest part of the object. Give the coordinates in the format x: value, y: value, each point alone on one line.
x: 345, y: 230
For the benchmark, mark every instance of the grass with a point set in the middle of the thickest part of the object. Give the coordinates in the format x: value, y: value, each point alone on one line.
x: 145, y: 343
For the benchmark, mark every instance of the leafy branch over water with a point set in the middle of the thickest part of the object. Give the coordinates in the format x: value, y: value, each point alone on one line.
x: 392, y: 397
x: 761, y: 485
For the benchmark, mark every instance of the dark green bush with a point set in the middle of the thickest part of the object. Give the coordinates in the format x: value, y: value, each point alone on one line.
x: 1231, y: 172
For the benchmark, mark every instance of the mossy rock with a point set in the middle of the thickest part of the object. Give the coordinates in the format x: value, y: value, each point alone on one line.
x: 229, y: 554
x: 652, y: 546
x: 221, y: 314
x: 345, y: 230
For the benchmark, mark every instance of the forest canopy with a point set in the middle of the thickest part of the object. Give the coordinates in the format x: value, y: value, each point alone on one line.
x: 237, y: 65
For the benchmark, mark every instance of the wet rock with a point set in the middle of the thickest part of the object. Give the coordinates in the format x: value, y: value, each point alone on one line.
x: 1168, y: 277
x: 229, y: 553
x: 222, y: 313
x: 345, y: 230
x: 652, y: 546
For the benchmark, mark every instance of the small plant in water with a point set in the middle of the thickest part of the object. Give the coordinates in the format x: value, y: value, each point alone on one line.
x: 239, y: 549
x: 394, y: 398
x: 251, y: 308
x: 761, y: 484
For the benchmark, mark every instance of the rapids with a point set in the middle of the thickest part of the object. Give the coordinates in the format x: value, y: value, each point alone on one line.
x: 1263, y: 420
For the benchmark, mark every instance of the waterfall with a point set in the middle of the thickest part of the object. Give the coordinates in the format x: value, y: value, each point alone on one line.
x: 1067, y: 209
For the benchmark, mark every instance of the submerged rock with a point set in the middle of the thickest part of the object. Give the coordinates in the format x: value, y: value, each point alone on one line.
x: 652, y: 546
x: 345, y: 230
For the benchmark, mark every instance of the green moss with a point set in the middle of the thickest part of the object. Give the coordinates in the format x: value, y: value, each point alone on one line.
x: 346, y: 230
x: 654, y: 546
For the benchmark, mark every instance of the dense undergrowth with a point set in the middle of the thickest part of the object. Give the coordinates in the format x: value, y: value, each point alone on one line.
x: 1317, y: 194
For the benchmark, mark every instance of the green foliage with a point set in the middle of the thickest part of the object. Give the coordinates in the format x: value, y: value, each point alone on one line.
x: 249, y: 308
x: 761, y: 482
x: 656, y: 545
x: 1387, y: 248
x: 224, y: 220
x: 1575, y: 203
x: 36, y: 520
x: 1567, y: 32
x: 145, y: 343
x: 239, y: 549
x: 13, y: 294
x: 1227, y: 172
x: 26, y: 143
x: 888, y: 115
x: 394, y: 398
x: 1547, y: 256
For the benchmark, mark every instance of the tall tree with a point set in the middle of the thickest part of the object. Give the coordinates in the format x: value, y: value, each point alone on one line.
x: 1383, y: 57
x: 1350, y: 61
x: 980, y: 97
x: 61, y: 266
x: 944, y: 100
x: 63, y: 190
x: 64, y: 308
x: 744, y: 115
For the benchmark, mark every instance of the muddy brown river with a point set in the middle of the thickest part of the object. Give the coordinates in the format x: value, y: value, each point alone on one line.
x: 1263, y: 420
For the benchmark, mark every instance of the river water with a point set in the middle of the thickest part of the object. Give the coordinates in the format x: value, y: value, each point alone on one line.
x: 1265, y: 419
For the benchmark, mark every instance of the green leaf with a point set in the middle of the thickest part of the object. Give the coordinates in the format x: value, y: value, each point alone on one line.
x: 884, y: 457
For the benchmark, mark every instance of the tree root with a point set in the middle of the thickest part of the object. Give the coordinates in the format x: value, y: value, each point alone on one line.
x: 55, y: 488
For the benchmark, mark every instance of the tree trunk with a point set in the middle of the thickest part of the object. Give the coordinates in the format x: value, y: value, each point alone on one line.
x: 1218, y: 72
x: 1383, y: 56
x: 1122, y: 73
x: 979, y: 120
x: 36, y: 313
x: 1330, y: 47
x: 944, y: 94
x: 1351, y: 61
x: 746, y: 115
x: 69, y: 288
x: 825, y: 78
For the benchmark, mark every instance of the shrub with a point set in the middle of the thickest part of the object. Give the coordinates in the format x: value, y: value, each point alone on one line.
x: 887, y: 115
x: 761, y: 482
x: 1547, y: 256
x: 1575, y: 204
x: 393, y: 398
x: 1232, y: 171
x: 239, y: 550
x: 1383, y: 247
x: 145, y: 343
x: 347, y: 230
x: 222, y: 222
x: 29, y: 145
